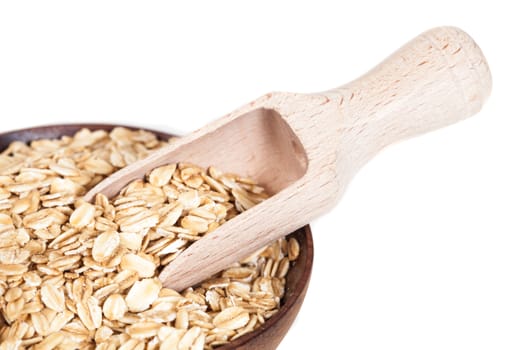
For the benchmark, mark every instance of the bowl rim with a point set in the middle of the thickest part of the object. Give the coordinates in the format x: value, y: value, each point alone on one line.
x: 303, y: 279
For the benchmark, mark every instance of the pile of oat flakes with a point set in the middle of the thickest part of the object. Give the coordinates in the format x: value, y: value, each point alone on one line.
x: 75, y: 275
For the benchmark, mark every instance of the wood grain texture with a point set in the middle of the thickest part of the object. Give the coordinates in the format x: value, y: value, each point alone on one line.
x: 273, y: 331
x: 305, y: 148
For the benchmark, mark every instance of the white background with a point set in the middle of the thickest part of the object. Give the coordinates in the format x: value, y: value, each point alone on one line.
x: 425, y: 251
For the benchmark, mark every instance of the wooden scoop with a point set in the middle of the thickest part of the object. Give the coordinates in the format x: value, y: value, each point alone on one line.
x: 304, y: 148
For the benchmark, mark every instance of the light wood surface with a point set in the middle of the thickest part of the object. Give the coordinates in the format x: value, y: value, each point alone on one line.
x: 305, y: 148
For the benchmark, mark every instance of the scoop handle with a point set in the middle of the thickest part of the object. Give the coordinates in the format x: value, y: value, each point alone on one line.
x: 437, y: 79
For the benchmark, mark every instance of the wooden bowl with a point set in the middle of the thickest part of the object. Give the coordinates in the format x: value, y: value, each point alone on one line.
x: 269, y: 335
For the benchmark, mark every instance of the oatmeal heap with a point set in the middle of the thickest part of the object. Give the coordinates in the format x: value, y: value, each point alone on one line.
x: 80, y: 275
